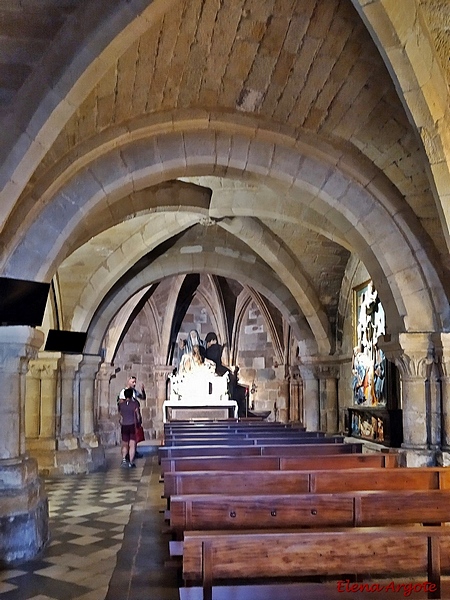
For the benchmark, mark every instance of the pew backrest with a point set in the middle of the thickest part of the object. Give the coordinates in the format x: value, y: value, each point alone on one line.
x: 261, y: 450
x: 254, y: 440
x: 409, y: 551
x: 254, y: 463
x: 296, y: 482
x: 367, y: 509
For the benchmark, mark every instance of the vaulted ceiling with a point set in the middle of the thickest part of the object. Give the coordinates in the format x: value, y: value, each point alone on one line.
x: 90, y: 88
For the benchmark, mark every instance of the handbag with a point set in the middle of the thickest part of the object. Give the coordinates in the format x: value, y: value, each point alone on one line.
x: 140, y: 436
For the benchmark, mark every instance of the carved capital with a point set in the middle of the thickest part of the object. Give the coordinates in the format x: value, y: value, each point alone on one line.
x: 89, y: 366
x: 106, y: 372
x: 320, y: 367
x: 413, y: 353
x: 18, y: 345
x: 442, y: 353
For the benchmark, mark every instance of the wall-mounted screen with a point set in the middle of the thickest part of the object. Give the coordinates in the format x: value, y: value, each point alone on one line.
x: 22, y: 302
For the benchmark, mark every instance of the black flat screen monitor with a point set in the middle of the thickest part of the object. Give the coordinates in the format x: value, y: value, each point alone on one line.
x: 22, y: 302
x: 70, y: 342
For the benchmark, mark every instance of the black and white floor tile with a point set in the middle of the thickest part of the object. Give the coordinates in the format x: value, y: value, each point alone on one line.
x: 93, y: 518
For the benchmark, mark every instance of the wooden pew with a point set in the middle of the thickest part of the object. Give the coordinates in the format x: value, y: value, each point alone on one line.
x: 275, y: 511
x: 223, y: 556
x: 238, y: 440
x: 261, y: 450
x: 299, y: 482
x: 213, y: 435
x: 273, y: 463
x: 235, y: 426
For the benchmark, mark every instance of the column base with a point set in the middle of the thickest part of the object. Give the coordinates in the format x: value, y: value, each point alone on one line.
x: 417, y: 457
x: 443, y: 457
x: 109, y: 432
x: 23, y: 511
x: 69, y: 458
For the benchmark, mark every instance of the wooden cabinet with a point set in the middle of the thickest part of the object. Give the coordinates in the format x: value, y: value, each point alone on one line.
x: 379, y: 425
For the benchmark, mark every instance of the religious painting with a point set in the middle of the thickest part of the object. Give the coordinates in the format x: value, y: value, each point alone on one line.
x: 369, y: 362
x: 367, y: 425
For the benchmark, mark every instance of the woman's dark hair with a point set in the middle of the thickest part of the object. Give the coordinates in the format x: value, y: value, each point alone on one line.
x: 210, y: 337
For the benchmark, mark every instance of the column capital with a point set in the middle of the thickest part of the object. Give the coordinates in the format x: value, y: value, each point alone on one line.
x: 89, y: 365
x: 71, y: 361
x: 442, y: 352
x: 106, y: 371
x: 413, y: 353
x: 18, y: 343
x: 320, y: 367
x: 46, y: 363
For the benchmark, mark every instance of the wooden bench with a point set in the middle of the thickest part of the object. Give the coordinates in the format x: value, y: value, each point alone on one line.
x: 170, y: 428
x: 273, y: 463
x: 346, y: 509
x: 299, y: 482
x: 213, y: 435
x: 237, y: 440
x: 260, y: 450
x: 221, y: 556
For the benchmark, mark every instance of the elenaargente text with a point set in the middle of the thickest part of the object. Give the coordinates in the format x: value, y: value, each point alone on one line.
x: 406, y: 588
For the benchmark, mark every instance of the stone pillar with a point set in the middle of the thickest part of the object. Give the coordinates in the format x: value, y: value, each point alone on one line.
x: 310, y: 397
x: 68, y: 427
x: 413, y: 354
x: 161, y: 373
x: 89, y: 367
x: 108, y: 428
x: 328, y: 393
x: 442, y: 357
x: 296, y: 412
x: 41, y: 400
x: 33, y: 401
x: 23, y: 502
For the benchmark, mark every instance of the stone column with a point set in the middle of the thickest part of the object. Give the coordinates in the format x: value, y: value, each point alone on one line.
x: 296, y: 413
x: 108, y: 428
x: 413, y: 354
x: 442, y: 352
x: 41, y: 400
x: 33, y: 401
x: 68, y: 438
x: 161, y: 373
x: 89, y: 367
x: 23, y: 502
x: 49, y: 381
x: 328, y: 393
x: 310, y: 397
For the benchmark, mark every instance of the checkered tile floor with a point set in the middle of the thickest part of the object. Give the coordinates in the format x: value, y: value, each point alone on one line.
x: 102, y: 527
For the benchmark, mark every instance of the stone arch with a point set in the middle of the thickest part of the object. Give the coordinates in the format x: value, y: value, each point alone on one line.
x: 96, y: 40
x: 258, y: 277
x: 400, y: 34
x: 413, y: 292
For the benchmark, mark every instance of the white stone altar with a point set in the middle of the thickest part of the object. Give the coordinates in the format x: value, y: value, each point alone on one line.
x: 199, y: 394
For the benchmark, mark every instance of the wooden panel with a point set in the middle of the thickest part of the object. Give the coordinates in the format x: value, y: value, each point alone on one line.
x: 241, y: 440
x: 310, y: 449
x: 239, y: 482
x: 264, y: 450
x: 241, y: 433
x: 339, y: 461
x: 276, y: 554
x: 373, y: 479
x: 430, y: 506
x: 221, y: 463
x: 254, y: 463
x: 265, y: 512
